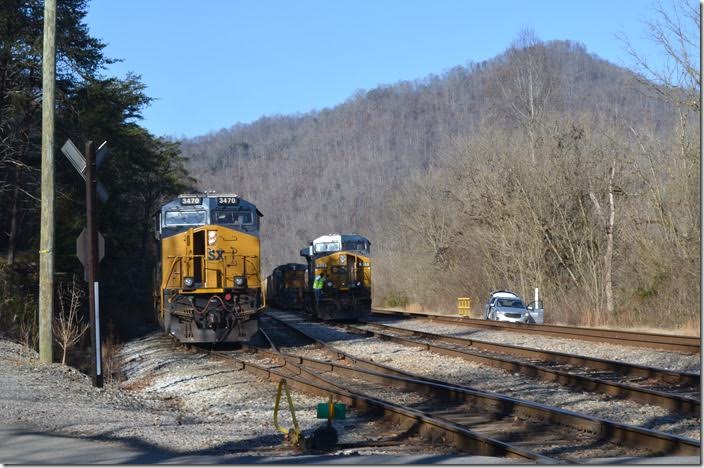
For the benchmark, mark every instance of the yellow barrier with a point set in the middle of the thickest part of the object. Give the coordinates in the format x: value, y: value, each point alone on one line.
x: 463, y: 306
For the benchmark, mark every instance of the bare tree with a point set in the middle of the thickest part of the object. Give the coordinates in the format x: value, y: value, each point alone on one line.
x: 676, y: 33
x: 526, y: 81
x: 68, y: 326
x: 607, y: 220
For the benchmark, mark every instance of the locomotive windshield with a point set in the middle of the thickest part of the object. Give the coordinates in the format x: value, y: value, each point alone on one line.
x: 294, y: 279
x: 184, y: 218
x: 231, y: 217
x: 356, y: 245
x: 327, y: 247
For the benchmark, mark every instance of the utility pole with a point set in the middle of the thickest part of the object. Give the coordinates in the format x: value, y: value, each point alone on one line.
x: 46, y: 242
x: 92, y: 263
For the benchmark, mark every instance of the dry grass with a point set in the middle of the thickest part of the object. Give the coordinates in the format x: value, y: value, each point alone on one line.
x: 112, y: 370
x: 139, y: 384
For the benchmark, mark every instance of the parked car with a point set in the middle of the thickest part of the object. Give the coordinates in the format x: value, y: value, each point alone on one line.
x: 507, y: 306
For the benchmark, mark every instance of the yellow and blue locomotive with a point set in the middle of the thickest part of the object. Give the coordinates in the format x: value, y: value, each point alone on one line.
x: 339, y: 267
x: 285, y: 285
x: 208, y: 276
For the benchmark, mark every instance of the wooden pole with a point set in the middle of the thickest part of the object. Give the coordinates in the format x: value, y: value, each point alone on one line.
x: 46, y: 242
x: 92, y: 263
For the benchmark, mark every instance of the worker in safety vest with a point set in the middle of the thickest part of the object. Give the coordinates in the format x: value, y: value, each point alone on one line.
x: 318, y: 287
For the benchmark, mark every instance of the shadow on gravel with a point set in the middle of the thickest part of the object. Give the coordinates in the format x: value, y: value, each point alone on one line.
x: 64, y: 449
x: 24, y: 446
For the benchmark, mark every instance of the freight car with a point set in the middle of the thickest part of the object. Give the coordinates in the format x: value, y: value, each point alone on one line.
x: 284, y: 286
x: 342, y: 261
x: 208, y: 284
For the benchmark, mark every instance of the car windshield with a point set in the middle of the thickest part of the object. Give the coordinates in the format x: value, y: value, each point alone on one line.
x: 516, y: 303
x: 184, y: 218
x: 232, y: 217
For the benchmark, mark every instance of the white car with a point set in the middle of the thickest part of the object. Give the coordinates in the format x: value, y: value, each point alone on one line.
x: 507, y: 306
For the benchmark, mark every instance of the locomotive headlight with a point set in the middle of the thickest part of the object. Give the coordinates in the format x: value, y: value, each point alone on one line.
x: 359, y: 283
x: 329, y: 284
x: 188, y: 282
x: 212, y: 237
x: 239, y: 281
x: 343, y: 259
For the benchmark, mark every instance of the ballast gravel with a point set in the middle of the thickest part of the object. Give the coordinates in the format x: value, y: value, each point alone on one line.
x: 482, y: 377
x: 174, y: 400
x: 634, y: 355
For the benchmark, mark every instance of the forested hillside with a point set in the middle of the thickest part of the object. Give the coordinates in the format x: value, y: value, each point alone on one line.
x: 544, y: 167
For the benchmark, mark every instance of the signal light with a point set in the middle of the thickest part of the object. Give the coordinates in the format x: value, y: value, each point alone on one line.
x: 228, y: 296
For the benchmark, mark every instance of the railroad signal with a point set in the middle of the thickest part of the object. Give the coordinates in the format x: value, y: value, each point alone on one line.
x: 91, y: 238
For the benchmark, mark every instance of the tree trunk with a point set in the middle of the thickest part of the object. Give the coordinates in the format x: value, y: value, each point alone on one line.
x: 608, y: 256
x: 12, y: 240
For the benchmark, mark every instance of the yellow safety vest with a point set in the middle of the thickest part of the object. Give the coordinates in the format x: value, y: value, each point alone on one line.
x: 318, y: 284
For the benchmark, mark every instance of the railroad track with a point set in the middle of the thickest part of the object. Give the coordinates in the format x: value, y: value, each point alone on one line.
x: 682, y: 344
x: 274, y: 367
x: 650, y: 385
x: 524, y: 426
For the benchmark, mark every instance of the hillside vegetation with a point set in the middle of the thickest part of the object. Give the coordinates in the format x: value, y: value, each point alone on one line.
x: 545, y: 167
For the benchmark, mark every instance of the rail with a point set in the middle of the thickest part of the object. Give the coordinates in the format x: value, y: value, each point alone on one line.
x: 304, y: 380
x: 683, y: 344
x: 491, y: 402
x: 666, y: 400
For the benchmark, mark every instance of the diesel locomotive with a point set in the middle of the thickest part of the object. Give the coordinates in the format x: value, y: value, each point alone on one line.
x: 208, y: 283
x: 284, y: 286
x: 341, y: 266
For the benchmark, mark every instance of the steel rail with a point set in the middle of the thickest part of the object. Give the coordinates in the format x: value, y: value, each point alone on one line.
x: 672, y: 402
x: 683, y: 344
x: 427, y: 425
x: 368, y: 370
x: 664, y: 375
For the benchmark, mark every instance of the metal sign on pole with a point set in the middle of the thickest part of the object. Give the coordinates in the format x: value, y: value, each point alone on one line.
x: 79, y: 162
x: 82, y: 250
x: 90, y: 245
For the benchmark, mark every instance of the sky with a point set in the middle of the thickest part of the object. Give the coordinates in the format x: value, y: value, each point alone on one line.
x: 213, y: 63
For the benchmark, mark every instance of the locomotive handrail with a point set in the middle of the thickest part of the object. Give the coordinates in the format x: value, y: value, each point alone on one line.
x: 204, y: 267
x: 166, y: 279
